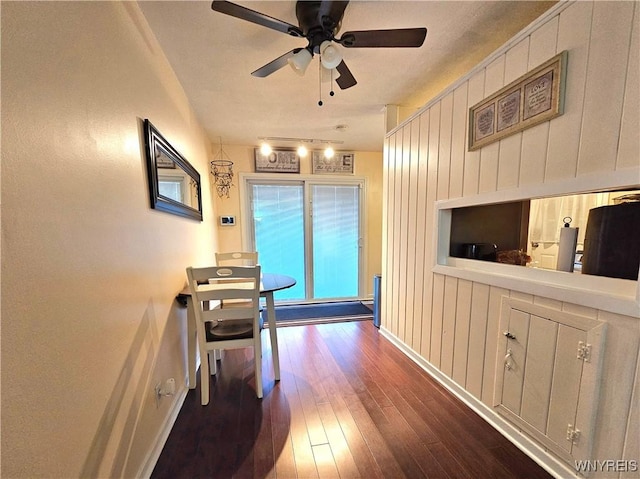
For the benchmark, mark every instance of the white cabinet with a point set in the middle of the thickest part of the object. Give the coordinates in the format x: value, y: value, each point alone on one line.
x: 546, y: 375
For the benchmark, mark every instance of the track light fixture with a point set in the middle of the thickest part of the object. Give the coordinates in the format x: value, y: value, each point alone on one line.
x: 328, y: 152
x: 302, y: 149
x: 313, y: 141
x: 265, y: 148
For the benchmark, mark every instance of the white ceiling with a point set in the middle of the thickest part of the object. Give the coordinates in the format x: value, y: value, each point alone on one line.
x: 214, y: 54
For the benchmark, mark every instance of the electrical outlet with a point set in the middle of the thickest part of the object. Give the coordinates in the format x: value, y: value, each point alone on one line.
x: 170, y: 387
x: 168, y: 390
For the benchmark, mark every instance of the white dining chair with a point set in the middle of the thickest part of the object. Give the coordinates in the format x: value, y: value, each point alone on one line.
x: 219, y: 328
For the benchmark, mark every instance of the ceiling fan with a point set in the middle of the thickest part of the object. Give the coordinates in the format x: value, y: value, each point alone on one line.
x: 319, y: 22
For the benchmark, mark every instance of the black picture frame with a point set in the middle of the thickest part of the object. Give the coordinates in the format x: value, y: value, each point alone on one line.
x: 159, y: 155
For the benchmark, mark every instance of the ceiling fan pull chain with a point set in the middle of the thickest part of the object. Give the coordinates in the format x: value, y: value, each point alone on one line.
x: 331, y: 92
x: 320, y: 82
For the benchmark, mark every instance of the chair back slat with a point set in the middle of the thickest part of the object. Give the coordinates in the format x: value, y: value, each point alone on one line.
x: 237, y: 258
x: 229, y: 272
x: 228, y: 314
x: 222, y: 291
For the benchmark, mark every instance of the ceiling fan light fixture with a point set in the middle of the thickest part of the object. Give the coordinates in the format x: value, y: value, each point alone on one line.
x: 330, y: 56
x: 300, y: 61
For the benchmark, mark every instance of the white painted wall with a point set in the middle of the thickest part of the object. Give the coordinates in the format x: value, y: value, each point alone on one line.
x: 89, y: 271
x: 449, y: 322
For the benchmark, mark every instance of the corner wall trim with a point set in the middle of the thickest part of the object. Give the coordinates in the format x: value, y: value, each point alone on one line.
x: 514, y: 435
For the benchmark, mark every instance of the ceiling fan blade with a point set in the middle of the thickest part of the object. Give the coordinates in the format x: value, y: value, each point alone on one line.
x: 275, y: 65
x: 346, y: 78
x: 401, y: 37
x: 249, y: 15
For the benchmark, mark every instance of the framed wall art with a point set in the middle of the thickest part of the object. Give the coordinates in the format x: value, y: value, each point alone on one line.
x: 535, y: 97
x: 278, y: 161
x: 340, y: 164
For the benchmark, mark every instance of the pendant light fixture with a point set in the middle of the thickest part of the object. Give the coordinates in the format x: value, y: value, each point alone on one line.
x: 222, y: 172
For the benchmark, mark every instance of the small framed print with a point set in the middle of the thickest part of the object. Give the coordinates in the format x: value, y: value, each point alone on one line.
x: 340, y: 164
x: 508, y: 110
x: 535, y: 97
x: 483, y: 121
x: 278, y: 161
x: 538, y: 95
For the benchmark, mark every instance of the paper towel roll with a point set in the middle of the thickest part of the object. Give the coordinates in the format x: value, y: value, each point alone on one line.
x: 567, y: 249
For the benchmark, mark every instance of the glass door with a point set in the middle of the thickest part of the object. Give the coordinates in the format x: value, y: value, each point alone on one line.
x: 309, y: 230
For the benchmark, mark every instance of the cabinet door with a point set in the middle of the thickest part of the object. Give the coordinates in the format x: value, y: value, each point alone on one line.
x: 546, y: 375
x: 538, y: 378
x: 567, y: 373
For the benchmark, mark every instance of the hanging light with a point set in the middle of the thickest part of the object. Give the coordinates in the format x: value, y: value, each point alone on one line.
x: 330, y: 56
x: 300, y: 61
x: 222, y: 172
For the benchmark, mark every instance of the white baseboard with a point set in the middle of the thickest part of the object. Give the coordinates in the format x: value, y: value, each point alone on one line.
x: 532, y: 449
x: 152, y: 456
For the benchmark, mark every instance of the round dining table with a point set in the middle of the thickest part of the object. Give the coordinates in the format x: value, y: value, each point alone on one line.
x: 269, y: 284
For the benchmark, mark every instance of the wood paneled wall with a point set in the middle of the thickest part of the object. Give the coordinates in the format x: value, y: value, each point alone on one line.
x: 453, y: 323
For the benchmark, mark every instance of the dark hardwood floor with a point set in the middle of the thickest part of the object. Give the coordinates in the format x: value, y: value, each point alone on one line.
x: 349, y: 405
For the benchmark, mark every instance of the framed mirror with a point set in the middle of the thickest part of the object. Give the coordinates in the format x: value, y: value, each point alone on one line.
x: 174, y: 185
